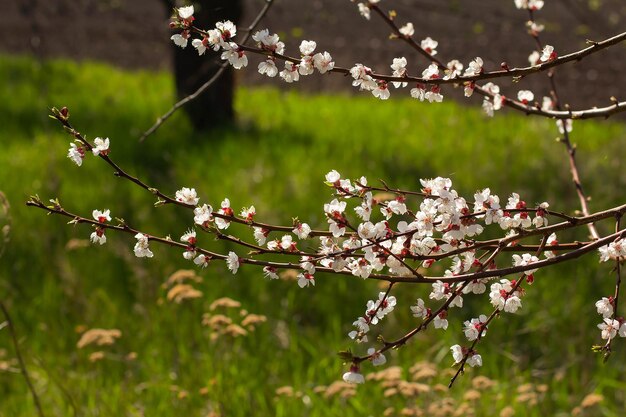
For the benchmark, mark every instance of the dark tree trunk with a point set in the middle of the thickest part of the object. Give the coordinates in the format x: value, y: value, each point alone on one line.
x: 214, y: 107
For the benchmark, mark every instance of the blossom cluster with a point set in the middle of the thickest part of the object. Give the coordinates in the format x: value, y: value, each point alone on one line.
x: 373, y: 232
x: 440, y: 228
x: 269, y: 44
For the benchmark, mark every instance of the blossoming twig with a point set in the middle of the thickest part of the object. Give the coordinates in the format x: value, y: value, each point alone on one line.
x: 571, y: 151
x: 211, y: 81
x: 20, y: 359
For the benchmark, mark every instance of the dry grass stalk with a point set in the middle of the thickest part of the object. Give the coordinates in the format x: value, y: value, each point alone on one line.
x: 181, y: 292
x: 99, y: 337
x: 224, y: 302
x: 181, y: 276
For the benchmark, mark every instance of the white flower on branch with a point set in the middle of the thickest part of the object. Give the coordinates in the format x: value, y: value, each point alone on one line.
x: 248, y: 213
x: 269, y: 42
x: 457, y: 353
x: 362, y: 328
x: 185, y: 12
x: 102, y: 216
x: 364, y: 10
x: 548, y: 54
x: 434, y: 95
x: 201, y: 260
x: 235, y: 56
x: 227, y: 29
x: 407, y: 30
x: 399, y: 70
x: 541, y: 219
x: 76, y: 154
x: 332, y: 177
x: 180, y: 39
x: 429, y: 46
x: 232, y: 262
x: 382, y: 92
x: 323, y: 62
x: 362, y: 78
x: 475, y: 67
x: 419, y: 310
x: 529, y: 4
x: 551, y: 241
x: 503, y: 299
x: 432, y: 72
x: 547, y: 104
x: 354, y: 376
x: 441, y: 321
x: 268, y: 67
x: 605, y: 307
x: 534, y: 28
x: 614, y: 250
x: 564, y: 126
x: 609, y: 328
x: 98, y: 236
x: 270, y: 272
x: 475, y: 327
x: 376, y: 357
x: 200, y: 45
x: 290, y: 74
x: 102, y: 146
x: 203, y: 215
x: 454, y: 69
x: 476, y: 286
x: 305, y: 279
x: 260, y: 234
x: 534, y: 58
x: 189, y: 237
x: 287, y: 243
x: 475, y: 360
x: 377, y: 310
x: 419, y: 92
x: 142, y: 248
x: 525, y: 259
x: 490, y: 204
x: 307, y: 47
x: 302, y: 230
x: 305, y: 67
x: 187, y: 196
x: 225, y: 210
x: 525, y: 96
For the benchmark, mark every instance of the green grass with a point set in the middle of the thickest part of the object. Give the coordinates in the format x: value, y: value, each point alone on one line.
x: 276, y: 159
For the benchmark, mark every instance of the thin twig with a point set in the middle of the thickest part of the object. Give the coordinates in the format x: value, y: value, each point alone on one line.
x: 571, y: 151
x: 544, y: 231
x: 59, y: 385
x: 616, y: 107
x: 20, y: 360
x: 494, y: 314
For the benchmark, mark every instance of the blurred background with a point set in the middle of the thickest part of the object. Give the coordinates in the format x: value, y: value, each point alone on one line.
x: 270, y: 349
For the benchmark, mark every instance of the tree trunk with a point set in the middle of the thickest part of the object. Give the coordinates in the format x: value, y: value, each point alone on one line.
x: 214, y: 107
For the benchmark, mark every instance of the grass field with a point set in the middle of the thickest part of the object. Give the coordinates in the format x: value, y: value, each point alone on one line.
x: 168, y: 363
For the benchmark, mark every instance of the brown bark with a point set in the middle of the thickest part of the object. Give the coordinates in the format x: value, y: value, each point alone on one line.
x: 214, y: 107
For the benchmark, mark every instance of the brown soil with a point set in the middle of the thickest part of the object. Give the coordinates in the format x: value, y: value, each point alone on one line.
x: 134, y: 34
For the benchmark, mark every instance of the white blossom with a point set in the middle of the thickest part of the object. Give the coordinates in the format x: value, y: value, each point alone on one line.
x: 76, y: 154
x: 407, y: 30
x: 102, y: 146
x: 187, y: 196
x: 141, y: 248
x: 232, y: 261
